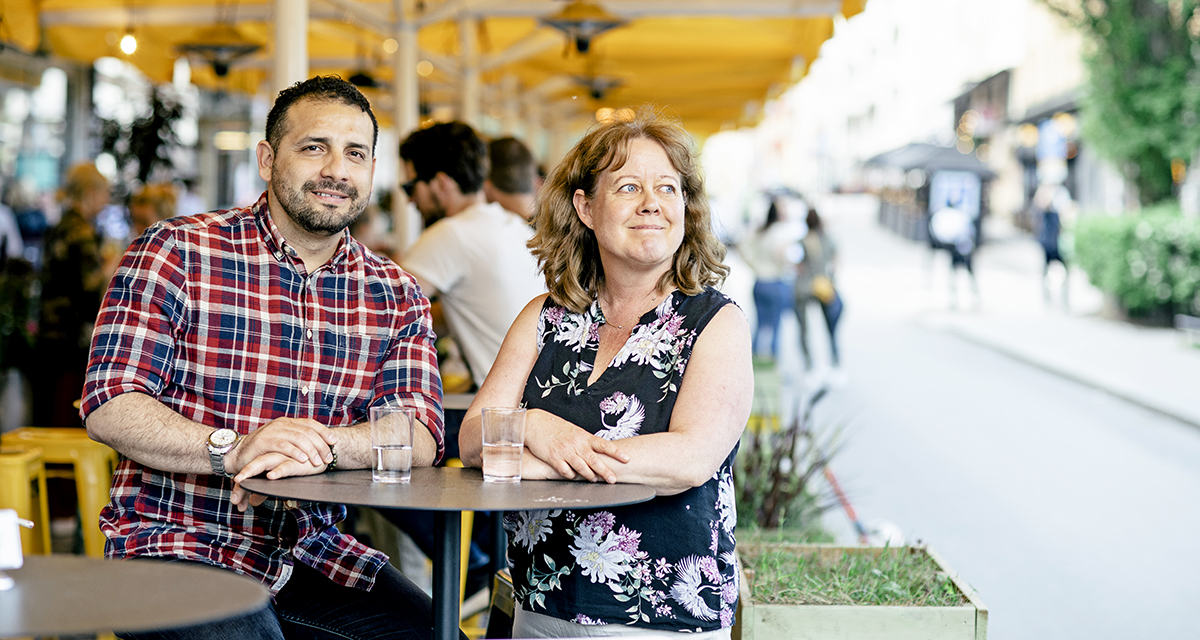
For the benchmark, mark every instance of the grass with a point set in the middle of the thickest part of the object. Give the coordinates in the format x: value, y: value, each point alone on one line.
x: 904, y: 576
x: 809, y: 533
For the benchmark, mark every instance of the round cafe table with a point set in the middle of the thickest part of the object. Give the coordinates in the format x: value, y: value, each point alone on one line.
x: 68, y: 594
x: 448, y: 491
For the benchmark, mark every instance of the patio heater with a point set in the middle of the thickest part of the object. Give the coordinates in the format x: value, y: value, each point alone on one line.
x: 220, y: 46
x: 581, y: 21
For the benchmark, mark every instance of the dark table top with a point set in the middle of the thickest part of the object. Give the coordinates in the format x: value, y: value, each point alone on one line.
x: 66, y: 594
x: 450, y: 489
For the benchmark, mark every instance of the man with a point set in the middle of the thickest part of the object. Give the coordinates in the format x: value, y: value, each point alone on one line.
x: 513, y: 177
x: 252, y: 341
x: 474, y: 258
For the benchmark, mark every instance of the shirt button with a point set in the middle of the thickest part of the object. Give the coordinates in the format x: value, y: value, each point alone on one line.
x: 310, y: 333
x: 290, y: 504
x: 304, y: 390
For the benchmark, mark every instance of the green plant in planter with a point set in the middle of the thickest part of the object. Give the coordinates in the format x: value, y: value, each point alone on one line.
x: 824, y: 592
x: 1149, y: 261
x: 903, y: 576
x: 776, y: 478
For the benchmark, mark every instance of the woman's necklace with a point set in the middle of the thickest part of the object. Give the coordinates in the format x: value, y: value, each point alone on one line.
x: 652, y: 295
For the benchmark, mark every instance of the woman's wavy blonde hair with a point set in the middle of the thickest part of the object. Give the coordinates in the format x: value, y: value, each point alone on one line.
x: 566, y: 250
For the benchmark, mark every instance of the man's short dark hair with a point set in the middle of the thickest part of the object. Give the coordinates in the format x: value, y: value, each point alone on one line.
x: 452, y: 148
x: 513, y: 167
x: 316, y: 88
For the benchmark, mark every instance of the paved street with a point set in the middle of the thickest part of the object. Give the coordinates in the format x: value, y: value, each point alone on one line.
x: 1070, y: 507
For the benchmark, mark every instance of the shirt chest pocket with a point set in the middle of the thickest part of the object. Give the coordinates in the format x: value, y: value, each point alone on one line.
x: 350, y: 362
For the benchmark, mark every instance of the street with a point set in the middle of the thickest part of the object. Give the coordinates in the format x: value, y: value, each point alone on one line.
x: 1072, y: 512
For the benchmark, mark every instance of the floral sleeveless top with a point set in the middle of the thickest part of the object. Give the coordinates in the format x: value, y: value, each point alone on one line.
x: 663, y: 564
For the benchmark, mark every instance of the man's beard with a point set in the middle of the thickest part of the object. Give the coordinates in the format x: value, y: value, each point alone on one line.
x: 433, y: 213
x: 313, y: 218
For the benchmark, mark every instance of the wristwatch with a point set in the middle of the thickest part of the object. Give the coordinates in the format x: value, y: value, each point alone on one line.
x: 221, y: 442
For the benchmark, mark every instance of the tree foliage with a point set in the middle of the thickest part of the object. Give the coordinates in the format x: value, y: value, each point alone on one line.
x: 142, y: 146
x: 1142, y: 107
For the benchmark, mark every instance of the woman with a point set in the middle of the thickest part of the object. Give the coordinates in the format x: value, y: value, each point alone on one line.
x: 73, y: 280
x: 815, y: 284
x: 154, y: 203
x: 767, y: 253
x: 633, y: 369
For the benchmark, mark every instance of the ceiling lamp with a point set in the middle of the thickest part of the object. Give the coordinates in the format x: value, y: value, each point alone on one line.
x: 582, y: 21
x: 363, y: 79
x: 220, y: 46
x: 598, y: 86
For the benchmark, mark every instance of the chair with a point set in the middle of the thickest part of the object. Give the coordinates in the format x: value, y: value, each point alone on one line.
x: 500, y: 613
x: 92, y: 464
x: 23, y: 488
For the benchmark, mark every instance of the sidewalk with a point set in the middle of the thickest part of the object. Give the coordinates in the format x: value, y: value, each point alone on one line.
x: 1152, y: 367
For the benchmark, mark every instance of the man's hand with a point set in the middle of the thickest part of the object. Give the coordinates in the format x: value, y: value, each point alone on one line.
x: 277, y: 466
x: 301, y: 439
x: 283, y: 447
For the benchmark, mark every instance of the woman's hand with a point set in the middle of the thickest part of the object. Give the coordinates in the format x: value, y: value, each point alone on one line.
x: 569, y: 450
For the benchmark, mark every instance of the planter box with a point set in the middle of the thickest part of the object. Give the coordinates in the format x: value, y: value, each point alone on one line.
x: 757, y: 621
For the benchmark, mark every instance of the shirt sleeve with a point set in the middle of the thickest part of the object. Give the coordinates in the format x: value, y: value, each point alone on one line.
x: 409, y: 375
x: 134, y: 343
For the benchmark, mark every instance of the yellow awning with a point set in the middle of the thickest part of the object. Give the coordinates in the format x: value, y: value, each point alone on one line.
x: 712, y: 63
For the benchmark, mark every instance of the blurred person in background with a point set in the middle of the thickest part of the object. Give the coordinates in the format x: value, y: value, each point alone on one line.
x: 770, y: 253
x: 31, y: 221
x: 815, y: 284
x: 73, y: 281
x: 953, y: 229
x: 513, y: 178
x: 473, y: 259
x: 1054, y: 203
x: 634, y: 368
x: 11, y: 244
x: 153, y: 203
x: 475, y: 262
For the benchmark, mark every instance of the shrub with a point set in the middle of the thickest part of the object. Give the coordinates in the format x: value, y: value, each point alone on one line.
x: 1150, y: 261
x: 777, y: 475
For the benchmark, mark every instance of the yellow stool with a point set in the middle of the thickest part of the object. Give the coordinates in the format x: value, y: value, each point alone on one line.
x: 21, y: 467
x: 93, y: 464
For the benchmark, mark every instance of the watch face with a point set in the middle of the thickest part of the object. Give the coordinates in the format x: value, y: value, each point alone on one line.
x: 222, y: 437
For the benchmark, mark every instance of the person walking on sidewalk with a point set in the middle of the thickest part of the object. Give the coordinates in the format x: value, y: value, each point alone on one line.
x: 953, y: 229
x: 771, y: 255
x: 1054, y: 202
x: 816, y: 284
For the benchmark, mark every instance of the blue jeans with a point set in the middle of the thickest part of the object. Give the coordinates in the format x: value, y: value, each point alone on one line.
x: 771, y: 299
x: 311, y: 606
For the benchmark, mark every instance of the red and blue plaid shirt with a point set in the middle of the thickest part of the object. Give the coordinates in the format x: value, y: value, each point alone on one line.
x: 216, y: 316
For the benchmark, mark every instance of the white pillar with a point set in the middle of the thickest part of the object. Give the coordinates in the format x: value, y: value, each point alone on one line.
x: 291, y: 44
x: 469, y: 105
x: 510, y: 91
x: 533, y: 125
x: 556, y: 148
x: 407, y: 114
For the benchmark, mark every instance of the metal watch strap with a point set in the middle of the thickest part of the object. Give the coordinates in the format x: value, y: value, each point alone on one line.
x: 218, y: 463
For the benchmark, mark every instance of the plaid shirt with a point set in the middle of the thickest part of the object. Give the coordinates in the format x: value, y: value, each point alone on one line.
x: 217, y: 317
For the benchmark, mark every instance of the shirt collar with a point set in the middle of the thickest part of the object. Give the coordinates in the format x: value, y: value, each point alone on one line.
x: 280, y: 247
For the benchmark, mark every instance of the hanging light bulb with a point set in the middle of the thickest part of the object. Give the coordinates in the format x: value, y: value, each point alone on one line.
x: 128, y: 44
